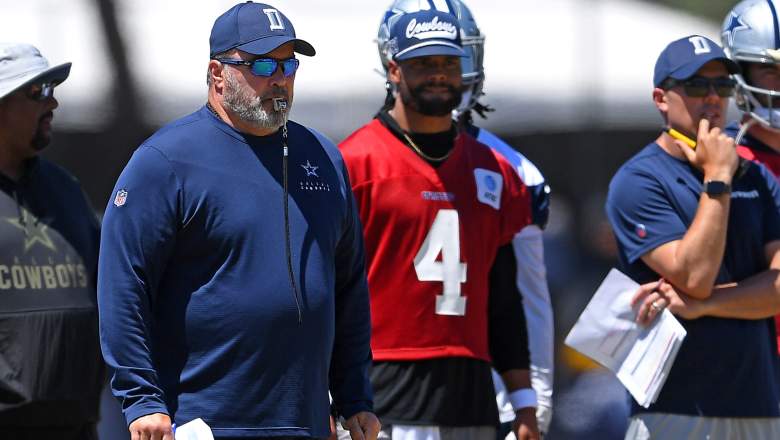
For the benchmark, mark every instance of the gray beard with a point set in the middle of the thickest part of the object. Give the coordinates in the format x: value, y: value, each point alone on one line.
x: 249, y: 107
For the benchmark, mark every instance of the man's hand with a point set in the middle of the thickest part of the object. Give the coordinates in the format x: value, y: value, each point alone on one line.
x: 653, y: 297
x: 362, y: 426
x: 715, y: 153
x: 155, y: 426
x: 524, y: 426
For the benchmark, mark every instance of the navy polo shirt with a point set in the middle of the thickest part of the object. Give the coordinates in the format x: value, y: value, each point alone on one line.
x: 725, y: 366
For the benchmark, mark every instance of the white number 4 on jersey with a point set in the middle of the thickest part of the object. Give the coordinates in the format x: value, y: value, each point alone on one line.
x: 444, y: 239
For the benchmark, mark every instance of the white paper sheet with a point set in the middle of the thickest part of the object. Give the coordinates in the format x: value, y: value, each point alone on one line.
x: 606, y: 332
x: 194, y: 430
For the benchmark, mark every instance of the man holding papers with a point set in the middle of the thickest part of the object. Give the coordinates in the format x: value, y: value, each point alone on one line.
x: 687, y: 211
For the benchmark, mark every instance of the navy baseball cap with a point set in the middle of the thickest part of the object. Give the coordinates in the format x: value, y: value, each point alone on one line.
x: 425, y: 33
x: 682, y: 58
x: 256, y: 28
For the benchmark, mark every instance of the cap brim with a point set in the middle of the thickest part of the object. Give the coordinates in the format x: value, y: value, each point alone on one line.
x: 424, y: 50
x: 55, y: 74
x: 688, y: 71
x: 262, y: 46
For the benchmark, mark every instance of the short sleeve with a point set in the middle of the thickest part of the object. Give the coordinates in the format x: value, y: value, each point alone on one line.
x: 641, y: 214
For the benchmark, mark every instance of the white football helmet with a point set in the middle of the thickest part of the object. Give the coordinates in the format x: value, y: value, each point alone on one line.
x: 751, y: 34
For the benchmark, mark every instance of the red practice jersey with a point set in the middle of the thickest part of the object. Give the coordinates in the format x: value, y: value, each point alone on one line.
x: 431, y: 236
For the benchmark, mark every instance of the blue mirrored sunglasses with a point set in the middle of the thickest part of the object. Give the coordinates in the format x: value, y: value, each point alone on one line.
x: 265, y: 66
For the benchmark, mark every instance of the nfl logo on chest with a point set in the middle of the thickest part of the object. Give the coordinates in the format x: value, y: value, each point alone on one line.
x: 121, y: 198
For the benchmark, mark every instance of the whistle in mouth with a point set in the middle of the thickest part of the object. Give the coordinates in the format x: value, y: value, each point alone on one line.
x: 280, y: 104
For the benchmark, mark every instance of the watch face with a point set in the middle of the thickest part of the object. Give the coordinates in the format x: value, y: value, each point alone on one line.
x: 716, y: 187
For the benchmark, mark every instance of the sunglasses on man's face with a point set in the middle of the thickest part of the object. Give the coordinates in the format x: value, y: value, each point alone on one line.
x: 40, y: 92
x: 699, y: 86
x: 265, y: 66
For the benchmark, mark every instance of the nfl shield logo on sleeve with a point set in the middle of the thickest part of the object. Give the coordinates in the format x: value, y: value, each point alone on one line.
x: 121, y: 198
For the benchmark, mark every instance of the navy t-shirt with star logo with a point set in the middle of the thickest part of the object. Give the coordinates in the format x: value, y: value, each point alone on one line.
x: 725, y: 367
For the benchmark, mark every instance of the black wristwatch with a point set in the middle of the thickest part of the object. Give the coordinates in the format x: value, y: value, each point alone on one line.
x: 716, y: 187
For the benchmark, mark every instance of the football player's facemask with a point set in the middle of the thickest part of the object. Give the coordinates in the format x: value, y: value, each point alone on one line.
x: 471, y: 38
x: 750, y: 34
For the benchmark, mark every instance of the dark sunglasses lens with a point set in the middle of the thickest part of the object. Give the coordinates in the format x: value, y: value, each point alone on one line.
x: 264, y: 67
x: 724, y: 88
x: 40, y: 92
x: 696, y: 88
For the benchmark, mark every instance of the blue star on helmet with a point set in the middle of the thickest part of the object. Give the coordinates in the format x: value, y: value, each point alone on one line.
x: 311, y: 170
x: 735, y: 25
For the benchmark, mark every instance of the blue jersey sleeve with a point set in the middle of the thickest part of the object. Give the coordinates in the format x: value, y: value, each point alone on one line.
x: 138, y: 233
x: 540, y: 204
x: 640, y: 213
x: 350, y: 385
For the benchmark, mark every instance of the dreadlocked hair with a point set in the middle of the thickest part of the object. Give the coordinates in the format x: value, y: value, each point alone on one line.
x: 482, y: 109
x: 389, y: 98
x: 466, y: 118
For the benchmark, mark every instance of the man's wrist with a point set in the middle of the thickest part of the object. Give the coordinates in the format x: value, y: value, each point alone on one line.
x: 719, y: 176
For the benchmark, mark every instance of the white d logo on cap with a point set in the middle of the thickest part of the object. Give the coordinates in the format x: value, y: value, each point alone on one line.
x: 700, y: 45
x: 275, y: 18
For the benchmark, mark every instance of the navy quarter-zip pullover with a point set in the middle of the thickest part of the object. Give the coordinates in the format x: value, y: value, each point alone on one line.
x: 199, y: 315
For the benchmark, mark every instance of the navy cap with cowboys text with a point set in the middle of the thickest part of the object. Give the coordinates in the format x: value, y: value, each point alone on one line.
x: 256, y: 28
x: 425, y: 33
x: 682, y: 58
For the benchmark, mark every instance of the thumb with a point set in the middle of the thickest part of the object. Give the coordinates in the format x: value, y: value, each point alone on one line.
x: 686, y: 150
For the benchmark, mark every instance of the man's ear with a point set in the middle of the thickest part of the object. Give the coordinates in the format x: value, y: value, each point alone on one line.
x: 661, y: 99
x: 216, y: 72
x: 394, y: 73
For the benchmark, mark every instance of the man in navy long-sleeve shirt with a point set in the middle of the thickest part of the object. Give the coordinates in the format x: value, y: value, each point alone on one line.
x: 231, y: 280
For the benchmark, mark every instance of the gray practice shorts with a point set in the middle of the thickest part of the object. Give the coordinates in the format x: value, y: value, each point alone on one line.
x: 439, y: 433
x: 670, y: 426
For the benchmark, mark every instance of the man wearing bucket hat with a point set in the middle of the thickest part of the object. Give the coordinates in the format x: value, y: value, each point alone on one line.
x: 687, y: 212
x: 438, y: 210
x: 231, y: 282
x: 51, y: 372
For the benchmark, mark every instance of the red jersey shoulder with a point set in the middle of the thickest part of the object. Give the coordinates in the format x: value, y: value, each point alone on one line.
x: 361, y: 148
x: 770, y: 159
x: 360, y: 142
x: 486, y: 157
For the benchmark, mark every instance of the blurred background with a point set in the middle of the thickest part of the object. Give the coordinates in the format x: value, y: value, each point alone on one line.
x: 570, y: 81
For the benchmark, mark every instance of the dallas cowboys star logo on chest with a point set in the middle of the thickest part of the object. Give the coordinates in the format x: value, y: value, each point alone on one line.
x: 311, y: 170
x: 312, y: 180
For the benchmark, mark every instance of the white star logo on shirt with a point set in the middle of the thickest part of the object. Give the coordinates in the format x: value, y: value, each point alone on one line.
x: 311, y: 170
